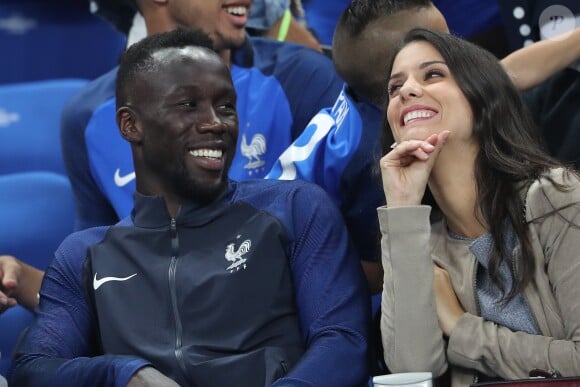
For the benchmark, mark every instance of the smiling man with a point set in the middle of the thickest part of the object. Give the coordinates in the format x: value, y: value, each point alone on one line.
x: 210, y: 282
x: 280, y: 87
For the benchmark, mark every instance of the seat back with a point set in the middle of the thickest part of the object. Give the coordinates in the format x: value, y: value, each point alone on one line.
x: 12, y: 323
x: 43, y: 39
x: 30, y: 124
x: 36, y: 213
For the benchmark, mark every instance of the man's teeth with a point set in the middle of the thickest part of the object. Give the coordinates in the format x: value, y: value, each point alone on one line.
x: 417, y: 114
x: 237, y: 11
x: 210, y: 153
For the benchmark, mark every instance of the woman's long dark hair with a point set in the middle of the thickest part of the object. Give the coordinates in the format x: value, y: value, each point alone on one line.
x: 510, y: 152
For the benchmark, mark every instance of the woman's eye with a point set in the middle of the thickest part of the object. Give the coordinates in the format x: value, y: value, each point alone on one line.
x: 433, y: 74
x: 393, y: 89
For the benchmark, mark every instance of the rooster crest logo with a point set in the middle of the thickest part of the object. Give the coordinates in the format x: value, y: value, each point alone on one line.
x: 253, y: 150
x: 236, y: 257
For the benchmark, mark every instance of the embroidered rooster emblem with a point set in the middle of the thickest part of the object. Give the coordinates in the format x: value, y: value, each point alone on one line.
x: 236, y: 256
x: 253, y: 150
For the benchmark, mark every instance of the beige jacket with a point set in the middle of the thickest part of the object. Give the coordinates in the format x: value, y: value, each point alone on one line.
x: 411, y: 335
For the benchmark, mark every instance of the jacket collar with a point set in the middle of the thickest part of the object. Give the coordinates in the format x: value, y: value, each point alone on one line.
x: 151, y: 211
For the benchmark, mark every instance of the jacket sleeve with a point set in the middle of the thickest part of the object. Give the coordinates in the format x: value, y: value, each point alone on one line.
x: 555, y: 236
x: 331, y: 296
x: 412, y: 339
x: 60, y: 346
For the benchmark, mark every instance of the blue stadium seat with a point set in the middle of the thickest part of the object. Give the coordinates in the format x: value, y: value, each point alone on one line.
x: 30, y: 124
x: 55, y: 39
x: 37, y: 211
x: 12, y: 322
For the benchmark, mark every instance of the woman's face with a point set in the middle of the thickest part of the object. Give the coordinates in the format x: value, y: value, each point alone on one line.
x: 424, y: 98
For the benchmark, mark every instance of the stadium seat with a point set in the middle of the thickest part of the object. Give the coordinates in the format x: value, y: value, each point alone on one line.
x: 55, y: 39
x: 30, y: 124
x: 12, y: 322
x: 37, y: 213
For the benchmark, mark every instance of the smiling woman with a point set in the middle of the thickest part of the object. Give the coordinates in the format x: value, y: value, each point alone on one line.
x: 478, y: 263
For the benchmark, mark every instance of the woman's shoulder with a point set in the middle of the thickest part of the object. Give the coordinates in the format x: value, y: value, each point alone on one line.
x: 555, y: 189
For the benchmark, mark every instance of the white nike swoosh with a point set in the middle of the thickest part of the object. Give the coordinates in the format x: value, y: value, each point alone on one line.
x: 122, y: 181
x: 97, y: 283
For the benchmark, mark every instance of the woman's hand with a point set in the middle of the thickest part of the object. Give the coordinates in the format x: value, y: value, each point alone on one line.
x: 449, y: 311
x: 405, y: 170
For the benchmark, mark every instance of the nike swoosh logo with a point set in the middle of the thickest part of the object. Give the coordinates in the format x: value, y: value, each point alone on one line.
x: 121, y: 181
x: 98, y: 283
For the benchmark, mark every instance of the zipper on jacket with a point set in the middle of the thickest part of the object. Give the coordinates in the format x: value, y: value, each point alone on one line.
x: 285, y: 368
x: 178, y: 351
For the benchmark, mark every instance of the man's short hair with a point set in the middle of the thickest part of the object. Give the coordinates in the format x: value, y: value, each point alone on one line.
x: 138, y: 58
x: 360, y: 13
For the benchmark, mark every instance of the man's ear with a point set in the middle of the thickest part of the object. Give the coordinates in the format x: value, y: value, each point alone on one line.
x: 127, y: 123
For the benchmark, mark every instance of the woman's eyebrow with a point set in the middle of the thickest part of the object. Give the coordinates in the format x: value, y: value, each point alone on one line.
x: 421, y: 66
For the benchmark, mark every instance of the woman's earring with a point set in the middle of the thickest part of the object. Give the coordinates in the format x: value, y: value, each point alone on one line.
x: 394, y: 145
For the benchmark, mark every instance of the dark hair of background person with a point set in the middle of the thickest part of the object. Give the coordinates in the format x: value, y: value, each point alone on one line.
x: 355, y: 33
x: 139, y: 57
x: 510, y: 154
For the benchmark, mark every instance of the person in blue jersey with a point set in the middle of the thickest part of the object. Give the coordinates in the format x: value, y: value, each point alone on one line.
x: 340, y: 148
x: 210, y: 282
x: 280, y: 87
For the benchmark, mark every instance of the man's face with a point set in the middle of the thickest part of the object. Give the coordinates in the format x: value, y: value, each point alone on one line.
x: 223, y: 20
x: 186, y: 111
x: 362, y: 61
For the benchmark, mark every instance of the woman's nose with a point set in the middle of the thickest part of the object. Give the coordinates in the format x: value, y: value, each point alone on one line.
x: 410, y: 88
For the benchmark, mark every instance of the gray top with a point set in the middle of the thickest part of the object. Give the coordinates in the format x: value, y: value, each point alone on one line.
x: 515, y: 314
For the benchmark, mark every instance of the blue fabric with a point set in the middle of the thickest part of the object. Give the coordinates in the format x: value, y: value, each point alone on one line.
x: 43, y: 40
x: 265, y: 13
x: 339, y: 151
x: 486, y: 14
x: 29, y: 124
x: 12, y: 323
x: 280, y: 87
x: 61, y: 347
x: 38, y: 213
x: 322, y: 16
